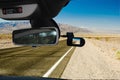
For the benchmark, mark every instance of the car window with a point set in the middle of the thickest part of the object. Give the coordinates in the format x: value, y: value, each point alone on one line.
x: 97, y: 21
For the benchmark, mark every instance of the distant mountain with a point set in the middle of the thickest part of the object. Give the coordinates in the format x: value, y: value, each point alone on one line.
x: 8, y: 27
x: 13, y: 24
x: 68, y: 28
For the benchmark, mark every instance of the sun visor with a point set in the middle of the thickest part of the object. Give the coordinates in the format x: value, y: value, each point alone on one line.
x: 30, y: 9
x: 19, y: 12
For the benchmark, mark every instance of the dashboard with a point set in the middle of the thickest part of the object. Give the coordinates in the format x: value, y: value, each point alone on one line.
x: 26, y: 78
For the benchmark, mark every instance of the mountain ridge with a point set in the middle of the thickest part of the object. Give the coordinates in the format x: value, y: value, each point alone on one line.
x: 8, y: 27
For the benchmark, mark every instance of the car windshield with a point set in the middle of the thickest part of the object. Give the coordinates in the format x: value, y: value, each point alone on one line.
x: 97, y: 21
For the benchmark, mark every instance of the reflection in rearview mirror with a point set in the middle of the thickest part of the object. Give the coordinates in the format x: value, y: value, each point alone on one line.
x: 36, y: 37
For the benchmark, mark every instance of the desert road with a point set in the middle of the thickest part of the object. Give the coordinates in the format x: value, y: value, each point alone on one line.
x: 28, y: 61
x: 96, y: 60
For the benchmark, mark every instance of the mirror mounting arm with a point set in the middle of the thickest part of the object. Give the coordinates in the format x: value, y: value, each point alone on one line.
x: 37, y: 23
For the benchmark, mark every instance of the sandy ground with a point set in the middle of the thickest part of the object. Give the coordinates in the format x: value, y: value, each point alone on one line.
x: 96, y: 60
x: 6, y: 43
x: 96, y: 35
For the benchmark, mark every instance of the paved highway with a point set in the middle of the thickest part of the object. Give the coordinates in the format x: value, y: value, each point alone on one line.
x: 28, y: 61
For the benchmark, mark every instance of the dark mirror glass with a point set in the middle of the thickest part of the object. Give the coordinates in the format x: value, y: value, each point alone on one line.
x: 34, y: 37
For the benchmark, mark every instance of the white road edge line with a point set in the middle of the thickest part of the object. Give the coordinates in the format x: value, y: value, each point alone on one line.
x: 56, y: 64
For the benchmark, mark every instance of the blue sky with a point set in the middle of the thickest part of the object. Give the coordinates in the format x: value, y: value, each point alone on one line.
x: 93, y: 14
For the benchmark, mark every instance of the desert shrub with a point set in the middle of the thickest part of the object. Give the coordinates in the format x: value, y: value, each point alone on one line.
x: 106, y: 39
x: 98, y: 38
x: 114, y: 49
x: 89, y: 37
x: 5, y: 36
x: 118, y: 54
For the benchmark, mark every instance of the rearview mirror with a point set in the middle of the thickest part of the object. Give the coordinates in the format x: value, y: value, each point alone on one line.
x: 36, y: 37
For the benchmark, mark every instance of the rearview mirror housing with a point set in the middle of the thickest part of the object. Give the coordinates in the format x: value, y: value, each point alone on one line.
x: 36, y: 37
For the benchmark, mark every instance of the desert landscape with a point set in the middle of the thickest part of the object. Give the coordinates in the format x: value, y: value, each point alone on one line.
x: 6, y: 29
x: 6, y: 41
x: 98, y: 59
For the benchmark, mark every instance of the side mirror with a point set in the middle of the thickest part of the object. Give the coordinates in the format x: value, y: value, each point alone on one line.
x: 36, y: 37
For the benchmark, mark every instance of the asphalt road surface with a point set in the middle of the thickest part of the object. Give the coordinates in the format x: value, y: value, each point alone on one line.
x: 95, y: 60
x: 28, y: 61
